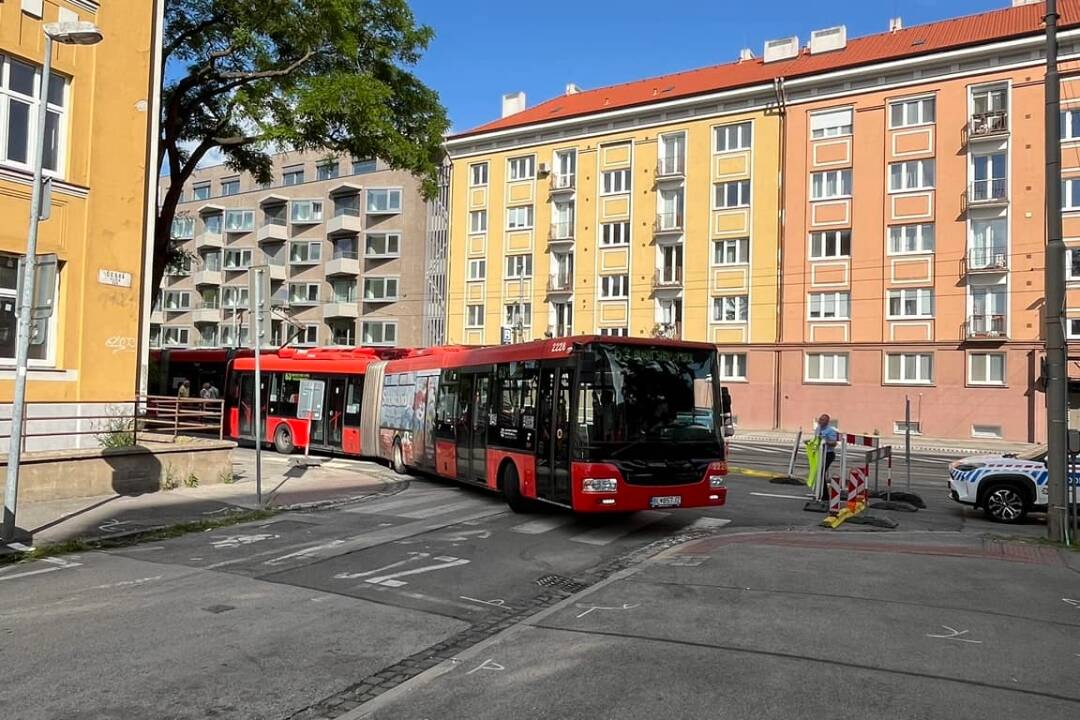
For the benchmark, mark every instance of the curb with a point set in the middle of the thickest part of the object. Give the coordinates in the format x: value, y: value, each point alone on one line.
x: 389, y: 488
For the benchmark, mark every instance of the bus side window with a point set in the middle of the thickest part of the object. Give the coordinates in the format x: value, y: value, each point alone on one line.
x: 446, y: 406
x: 353, y: 394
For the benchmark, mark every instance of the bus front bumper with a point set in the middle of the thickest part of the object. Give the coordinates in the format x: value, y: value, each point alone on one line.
x: 598, y: 487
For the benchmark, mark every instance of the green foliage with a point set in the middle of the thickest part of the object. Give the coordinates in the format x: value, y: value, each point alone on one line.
x: 191, y: 481
x: 226, y: 477
x: 119, y: 432
x: 171, y: 480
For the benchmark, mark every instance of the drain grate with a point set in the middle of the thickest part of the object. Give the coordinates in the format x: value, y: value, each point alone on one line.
x: 561, y: 582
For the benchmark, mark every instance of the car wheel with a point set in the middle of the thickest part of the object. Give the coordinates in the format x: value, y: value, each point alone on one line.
x: 1005, y: 503
x: 398, y: 461
x: 512, y: 491
x: 283, y: 440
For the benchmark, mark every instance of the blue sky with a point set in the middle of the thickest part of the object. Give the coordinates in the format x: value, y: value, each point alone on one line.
x: 484, y: 48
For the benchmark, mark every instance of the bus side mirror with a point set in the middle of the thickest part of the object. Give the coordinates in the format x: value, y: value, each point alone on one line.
x: 1074, y: 442
x: 729, y: 429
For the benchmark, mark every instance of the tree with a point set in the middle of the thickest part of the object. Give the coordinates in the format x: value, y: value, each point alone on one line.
x: 251, y: 78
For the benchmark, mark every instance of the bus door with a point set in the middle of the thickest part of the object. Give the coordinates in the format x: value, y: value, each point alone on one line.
x: 553, y: 433
x: 334, y: 411
x: 472, y: 422
x: 247, y: 405
x: 479, y: 433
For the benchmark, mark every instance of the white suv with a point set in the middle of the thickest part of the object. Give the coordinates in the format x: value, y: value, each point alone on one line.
x: 1006, y: 487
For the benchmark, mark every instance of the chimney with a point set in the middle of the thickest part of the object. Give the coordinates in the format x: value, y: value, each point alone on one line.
x: 896, y: 23
x: 746, y: 54
x: 513, y: 103
x: 571, y: 89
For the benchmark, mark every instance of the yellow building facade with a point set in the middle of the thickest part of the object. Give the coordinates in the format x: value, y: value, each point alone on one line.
x: 669, y: 229
x: 99, y: 132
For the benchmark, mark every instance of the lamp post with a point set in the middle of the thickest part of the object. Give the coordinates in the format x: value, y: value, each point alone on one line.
x: 67, y: 33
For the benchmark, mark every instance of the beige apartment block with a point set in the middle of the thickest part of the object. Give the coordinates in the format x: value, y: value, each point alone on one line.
x: 344, y: 241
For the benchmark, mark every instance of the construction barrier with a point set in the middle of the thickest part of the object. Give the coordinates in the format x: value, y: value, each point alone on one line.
x: 858, y: 486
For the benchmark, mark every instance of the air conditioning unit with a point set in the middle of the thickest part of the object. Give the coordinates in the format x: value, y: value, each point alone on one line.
x: 544, y: 168
x: 780, y: 49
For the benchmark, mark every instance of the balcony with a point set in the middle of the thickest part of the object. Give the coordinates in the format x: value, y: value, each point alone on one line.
x: 206, y: 313
x: 343, y: 264
x: 302, y: 301
x: 986, y: 125
x: 670, y: 168
x: 208, y: 239
x: 276, y: 230
x: 345, y: 220
x: 563, y: 183
x: 560, y: 284
x: 668, y: 330
x: 985, y: 327
x: 985, y: 260
x: 207, y: 277
x: 156, y: 316
x: 341, y: 309
x: 561, y: 232
x: 987, y: 193
x: 668, y: 278
x: 667, y: 223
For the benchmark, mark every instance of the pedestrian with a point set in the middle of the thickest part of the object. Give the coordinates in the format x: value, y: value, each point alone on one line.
x: 184, y: 390
x: 828, y: 437
x: 207, y: 392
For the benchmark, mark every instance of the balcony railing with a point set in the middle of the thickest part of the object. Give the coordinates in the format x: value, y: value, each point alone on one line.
x: 671, y: 167
x: 985, y: 327
x: 561, y: 282
x: 987, y: 193
x: 563, y: 182
x: 986, y: 260
x: 668, y: 222
x: 561, y: 232
x: 668, y: 277
x: 987, y: 124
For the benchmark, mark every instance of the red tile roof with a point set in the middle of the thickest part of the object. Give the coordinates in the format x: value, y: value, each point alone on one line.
x: 1010, y: 22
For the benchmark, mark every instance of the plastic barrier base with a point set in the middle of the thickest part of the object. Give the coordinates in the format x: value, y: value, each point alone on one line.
x: 901, y: 496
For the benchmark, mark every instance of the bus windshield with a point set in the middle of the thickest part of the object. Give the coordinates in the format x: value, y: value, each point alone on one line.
x: 647, y: 403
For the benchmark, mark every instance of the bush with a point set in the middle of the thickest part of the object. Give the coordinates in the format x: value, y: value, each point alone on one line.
x: 119, y: 432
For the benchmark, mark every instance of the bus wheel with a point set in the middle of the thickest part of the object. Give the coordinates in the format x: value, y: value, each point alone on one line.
x: 512, y: 491
x: 283, y: 441
x: 398, y: 461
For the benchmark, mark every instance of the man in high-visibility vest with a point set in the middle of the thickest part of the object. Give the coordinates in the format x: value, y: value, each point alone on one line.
x: 828, y: 437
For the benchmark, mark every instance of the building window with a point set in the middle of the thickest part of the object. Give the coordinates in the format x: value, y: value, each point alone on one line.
x: 830, y: 244
x: 831, y: 123
x: 307, y: 252
x: 478, y: 221
x: 200, y: 192
x: 562, y: 220
x: 237, y: 258
x: 477, y: 269
x: 614, y: 286
x: 614, y: 332
x: 617, y: 233
x: 478, y: 174
x: 292, y: 175
x: 230, y: 186
x: 384, y: 200
x: 986, y: 368
x: 731, y: 194
x: 672, y: 154
x: 327, y: 170
x: 1072, y: 264
x: 343, y: 290
x: 616, y: 181
x: 518, y: 266
x: 732, y: 366
x: 1072, y: 329
x: 382, y: 245
x: 1070, y: 194
x: 986, y: 432
x: 562, y: 314
x: 519, y: 218
x: 239, y: 220
x: 382, y: 289
x: 304, y: 293
x: 911, y: 303
x: 733, y: 251
x: 901, y: 427
x: 18, y: 115
x: 309, y: 335
x: 234, y: 297
x: 911, y: 175
x: 727, y: 138
x: 830, y: 184
x: 1070, y: 124
x: 212, y: 224
x: 474, y: 316
x: 906, y: 113
x: 730, y: 309
x: 362, y: 167
x: 379, y: 333
x: 830, y: 306
x: 522, y: 168
x: 909, y: 368
x: 343, y: 334
x: 173, y: 301
x: 175, y: 336
x: 183, y: 227
x: 905, y: 239
x: 517, y: 315
x: 827, y: 367
x: 306, y: 211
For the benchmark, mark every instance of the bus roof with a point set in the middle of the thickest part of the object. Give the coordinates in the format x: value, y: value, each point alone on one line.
x: 345, y: 359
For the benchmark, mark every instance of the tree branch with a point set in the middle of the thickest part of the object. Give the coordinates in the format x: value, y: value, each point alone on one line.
x: 181, y: 38
x: 262, y: 74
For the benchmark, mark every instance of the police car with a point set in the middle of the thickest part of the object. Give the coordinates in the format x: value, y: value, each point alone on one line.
x: 1006, y: 487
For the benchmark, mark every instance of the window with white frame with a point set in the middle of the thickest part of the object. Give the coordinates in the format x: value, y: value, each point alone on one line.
x: 292, y: 175
x: 733, y: 194
x: 200, y: 192
x: 380, y: 289
x: 831, y: 123
x: 1072, y: 264
x: 304, y: 293
x: 306, y: 211
x: 327, y: 170
x: 213, y: 223
x: 521, y: 168
x: 986, y: 368
x: 732, y: 366
x: 830, y: 184
x: 614, y: 286
x: 183, y: 227
x: 474, y: 316
x: 305, y: 252
x: 239, y: 220
x: 376, y: 332
x: 829, y: 306
x: 343, y: 334
x: 518, y: 266
x: 175, y: 336
x: 517, y: 314
x: 478, y: 221
x: 672, y: 154
x: 176, y: 300
x: 382, y: 245
x: 909, y: 368
x: 233, y: 297
x: 562, y: 220
x: 827, y: 367
x: 731, y: 251
x: 730, y: 309
x: 911, y: 303
x: 237, y: 258
x: 614, y: 332
x: 911, y: 175
x: 617, y: 233
x: 235, y: 335
x: 727, y: 138
x: 1070, y: 124
x: 477, y: 269
x: 1072, y: 328
x: 478, y: 174
x: 914, y: 111
x: 384, y: 200
x: 343, y: 290
x: 1070, y: 194
x: 615, y: 181
x: 230, y: 186
x: 309, y: 335
x: 907, y: 239
x: 364, y: 166
x: 519, y: 218
x: 830, y: 244
x: 18, y: 116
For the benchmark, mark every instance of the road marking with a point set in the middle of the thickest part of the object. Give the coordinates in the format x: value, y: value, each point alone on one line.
x: 1070, y: 601
x: 443, y: 509
x: 305, y: 552
x: 464, y: 536
x: 708, y: 523
x: 591, y: 608
x: 954, y: 634
x: 113, y: 524
x: 497, y: 602
x: 425, y: 498
x: 488, y: 664
x: 610, y: 533
x: 778, y: 495
x: 392, y: 581
x: 235, y: 541
x: 54, y: 565
x: 413, y: 556
x: 543, y: 525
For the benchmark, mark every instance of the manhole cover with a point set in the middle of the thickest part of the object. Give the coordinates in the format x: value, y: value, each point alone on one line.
x: 561, y: 582
x: 218, y: 609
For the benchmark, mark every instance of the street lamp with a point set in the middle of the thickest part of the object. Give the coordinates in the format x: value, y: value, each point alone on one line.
x: 67, y: 33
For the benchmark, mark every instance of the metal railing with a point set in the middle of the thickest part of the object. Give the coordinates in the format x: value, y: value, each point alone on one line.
x: 350, y: 210
x: 278, y: 220
x: 987, y: 124
x: 994, y: 191
x: 561, y: 231
x: 991, y: 259
x: 985, y: 326
x: 667, y: 167
x: 668, y: 222
x: 565, y: 181
x: 562, y: 282
x: 668, y: 277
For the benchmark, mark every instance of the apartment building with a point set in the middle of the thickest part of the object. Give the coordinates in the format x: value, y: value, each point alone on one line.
x: 99, y: 127
x: 343, y: 240
x: 880, y: 198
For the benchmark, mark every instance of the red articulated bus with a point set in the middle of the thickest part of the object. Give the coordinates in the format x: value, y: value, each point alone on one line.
x: 589, y: 423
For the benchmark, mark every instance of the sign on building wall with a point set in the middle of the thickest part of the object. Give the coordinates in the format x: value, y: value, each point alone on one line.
x: 114, y: 278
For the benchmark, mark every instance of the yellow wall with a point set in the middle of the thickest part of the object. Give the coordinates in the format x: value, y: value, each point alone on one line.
x: 99, y: 209
x: 638, y: 150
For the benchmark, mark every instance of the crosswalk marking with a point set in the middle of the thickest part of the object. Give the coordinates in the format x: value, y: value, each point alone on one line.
x: 536, y: 527
x: 708, y: 523
x: 610, y: 533
x: 413, y: 500
x: 427, y: 512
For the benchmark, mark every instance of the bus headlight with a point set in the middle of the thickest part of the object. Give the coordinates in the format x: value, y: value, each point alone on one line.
x: 599, y: 485
x: 716, y: 481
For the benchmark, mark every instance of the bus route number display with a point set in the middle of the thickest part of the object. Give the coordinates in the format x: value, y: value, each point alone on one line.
x: 310, y: 405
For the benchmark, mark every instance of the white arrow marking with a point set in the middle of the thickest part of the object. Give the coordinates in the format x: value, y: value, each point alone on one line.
x: 1074, y: 603
x: 233, y: 541
x: 413, y: 557
x: 488, y: 664
x: 112, y: 524
x: 625, y: 606
x: 497, y: 602
x: 954, y: 634
x: 390, y: 581
x: 467, y: 535
x: 306, y: 551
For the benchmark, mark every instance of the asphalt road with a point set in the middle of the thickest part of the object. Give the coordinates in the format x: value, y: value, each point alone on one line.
x: 299, y: 616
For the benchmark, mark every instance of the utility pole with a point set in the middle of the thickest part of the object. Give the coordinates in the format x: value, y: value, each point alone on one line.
x: 1056, y: 378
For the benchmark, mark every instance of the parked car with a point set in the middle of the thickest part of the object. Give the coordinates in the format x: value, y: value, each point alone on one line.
x: 1006, y: 487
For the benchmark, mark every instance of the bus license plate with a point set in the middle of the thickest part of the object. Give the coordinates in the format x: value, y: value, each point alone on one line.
x: 666, y: 501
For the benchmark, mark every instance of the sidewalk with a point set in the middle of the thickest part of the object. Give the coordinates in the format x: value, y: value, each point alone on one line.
x: 919, y: 443
x: 285, y: 485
